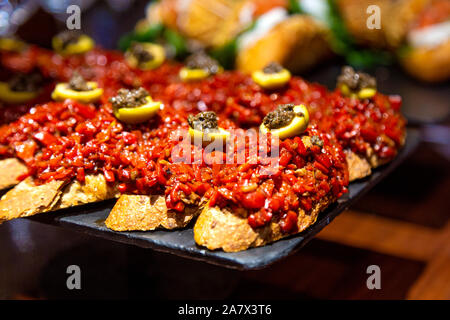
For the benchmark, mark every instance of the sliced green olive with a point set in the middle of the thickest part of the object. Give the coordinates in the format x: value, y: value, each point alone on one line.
x: 188, y: 75
x: 138, y: 114
x: 298, y: 124
x: 356, y: 84
x: 271, y: 80
x: 15, y: 97
x: 83, y: 44
x: 364, y: 93
x: 209, y: 136
x: 204, y: 127
x: 199, y: 66
x: 345, y: 90
x: 11, y: 44
x: 62, y: 91
x: 156, y: 52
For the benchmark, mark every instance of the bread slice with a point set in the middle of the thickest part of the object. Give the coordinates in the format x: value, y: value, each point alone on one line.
x: 358, y: 167
x: 428, y: 64
x: 145, y: 213
x: 227, y: 230
x: 11, y: 169
x: 297, y: 43
x: 27, y: 198
x: 94, y: 189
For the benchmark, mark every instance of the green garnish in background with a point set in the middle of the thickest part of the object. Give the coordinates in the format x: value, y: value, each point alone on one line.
x: 343, y: 44
x: 156, y: 32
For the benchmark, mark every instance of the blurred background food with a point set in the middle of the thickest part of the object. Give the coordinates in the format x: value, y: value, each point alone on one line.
x: 300, y: 34
x: 248, y: 34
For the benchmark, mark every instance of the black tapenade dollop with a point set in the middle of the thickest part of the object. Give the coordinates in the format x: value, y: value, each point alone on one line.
x: 23, y: 82
x: 200, y: 60
x: 356, y: 80
x: 280, y: 117
x: 140, y: 53
x: 68, y: 37
x: 129, y: 98
x: 77, y: 83
x: 203, y: 120
x: 273, y: 67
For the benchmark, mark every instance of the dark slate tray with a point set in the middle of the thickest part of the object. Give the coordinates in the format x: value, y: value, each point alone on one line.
x: 90, y: 219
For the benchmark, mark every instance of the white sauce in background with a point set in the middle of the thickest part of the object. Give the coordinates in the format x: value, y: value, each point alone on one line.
x: 246, y: 14
x: 319, y: 9
x: 263, y: 25
x: 431, y: 36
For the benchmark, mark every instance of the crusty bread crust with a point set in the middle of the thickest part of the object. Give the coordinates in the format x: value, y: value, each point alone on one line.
x: 223, y: 229
x: 358, y: 167
x: 145, y: 213
x: 11, y: 169
x: 27, y: 198
x: 94, y: 189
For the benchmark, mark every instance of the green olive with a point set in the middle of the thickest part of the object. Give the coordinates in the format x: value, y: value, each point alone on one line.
x: 138, y: 114
x: 83, y: 44
x: 271, y: 80
x: 11, y: 44
x: 158, y: 56
x: 62, y: 92
x: 298, y: 124
x: 15, y: 97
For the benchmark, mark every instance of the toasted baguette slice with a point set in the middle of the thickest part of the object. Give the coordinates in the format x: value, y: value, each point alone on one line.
x: 297, y: 43
x: 145, y: 213
x: 11, y: 169
x: 27, y: 198
x: 223, y: 229
x: 358, y: 167
x: 94, y: 189
x: 428, y: 64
